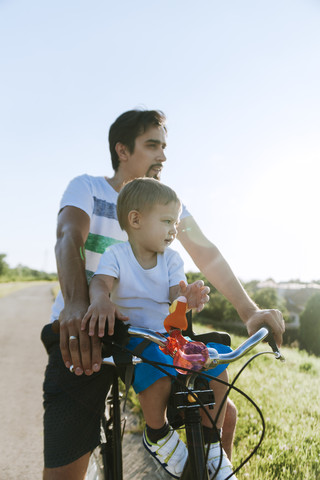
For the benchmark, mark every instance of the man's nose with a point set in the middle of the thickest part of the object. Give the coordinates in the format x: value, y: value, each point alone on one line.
x: 162, y: 157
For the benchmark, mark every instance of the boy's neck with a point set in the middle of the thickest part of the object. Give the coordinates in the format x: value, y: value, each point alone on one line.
x: 145, y: 258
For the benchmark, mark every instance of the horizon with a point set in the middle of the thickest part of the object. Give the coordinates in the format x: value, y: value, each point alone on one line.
x: 293, y: 283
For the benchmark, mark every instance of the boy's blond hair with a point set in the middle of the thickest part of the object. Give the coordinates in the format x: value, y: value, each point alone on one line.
x: 141, y: 194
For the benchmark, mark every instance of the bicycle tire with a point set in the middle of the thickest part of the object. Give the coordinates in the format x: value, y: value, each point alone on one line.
x: 106, y: 460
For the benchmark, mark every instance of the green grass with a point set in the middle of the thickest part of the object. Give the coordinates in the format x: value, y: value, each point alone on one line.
x: 288, y: 395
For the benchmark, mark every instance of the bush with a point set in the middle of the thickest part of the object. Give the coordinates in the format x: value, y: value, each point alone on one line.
x: 269, y: 298
x: 309, y: 332
x: 22, y: 273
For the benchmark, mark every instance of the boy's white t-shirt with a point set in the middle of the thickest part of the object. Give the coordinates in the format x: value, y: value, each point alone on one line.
x: 142, y: 295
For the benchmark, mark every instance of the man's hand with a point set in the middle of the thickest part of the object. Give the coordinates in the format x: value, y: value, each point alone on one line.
x: 196, y: 294
x: 270, y: 317
x: 77, y: 348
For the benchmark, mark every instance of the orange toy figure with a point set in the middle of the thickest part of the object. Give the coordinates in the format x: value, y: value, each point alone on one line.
x: 191, y: 355
x: 177, y: 317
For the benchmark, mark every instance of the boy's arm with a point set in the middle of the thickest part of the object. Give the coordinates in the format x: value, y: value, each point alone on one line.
x: 215, y: 268
x: 101, y: 309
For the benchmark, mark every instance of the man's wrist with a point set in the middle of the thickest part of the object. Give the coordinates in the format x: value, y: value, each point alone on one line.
x: 246, y: 313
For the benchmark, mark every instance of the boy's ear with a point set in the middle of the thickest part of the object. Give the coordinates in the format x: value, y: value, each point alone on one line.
x: 122, y: 151
x: 134, y: 219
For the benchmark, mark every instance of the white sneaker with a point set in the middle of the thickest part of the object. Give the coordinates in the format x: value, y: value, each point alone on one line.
x: 213, y: 462
x: 169, y: 451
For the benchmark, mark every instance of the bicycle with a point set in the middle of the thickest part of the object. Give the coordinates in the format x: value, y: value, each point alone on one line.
x: 106, y: 463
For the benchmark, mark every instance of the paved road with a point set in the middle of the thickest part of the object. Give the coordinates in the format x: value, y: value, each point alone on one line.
x: 22, y: 362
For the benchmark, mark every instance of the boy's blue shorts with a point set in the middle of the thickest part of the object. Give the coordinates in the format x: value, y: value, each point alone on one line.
x: 145, y: 374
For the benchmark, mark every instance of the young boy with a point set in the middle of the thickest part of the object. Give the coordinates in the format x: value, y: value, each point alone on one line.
x: 136, y: 281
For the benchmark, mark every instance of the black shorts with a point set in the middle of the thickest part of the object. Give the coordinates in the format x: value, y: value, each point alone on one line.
x: 73, y: 407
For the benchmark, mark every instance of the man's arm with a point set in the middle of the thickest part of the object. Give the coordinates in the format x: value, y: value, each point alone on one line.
x: 72, y: 231
x: 214, y: 267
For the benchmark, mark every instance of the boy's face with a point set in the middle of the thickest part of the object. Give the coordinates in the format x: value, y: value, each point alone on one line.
x: 148, y: 156
x: 158, y: 226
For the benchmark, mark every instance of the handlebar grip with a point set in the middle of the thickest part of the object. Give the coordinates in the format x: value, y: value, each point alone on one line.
x: 120, y: 334
x: 270, y: 338
x: 271, y: 341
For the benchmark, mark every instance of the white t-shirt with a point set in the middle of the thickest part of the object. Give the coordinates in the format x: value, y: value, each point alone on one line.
x: 142, y: 295
x: 96, y: 197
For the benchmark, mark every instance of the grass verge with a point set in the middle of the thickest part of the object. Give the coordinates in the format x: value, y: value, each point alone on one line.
x: 288, y: 395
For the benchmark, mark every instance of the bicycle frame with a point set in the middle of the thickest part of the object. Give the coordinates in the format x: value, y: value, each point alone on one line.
x: 195, y: 467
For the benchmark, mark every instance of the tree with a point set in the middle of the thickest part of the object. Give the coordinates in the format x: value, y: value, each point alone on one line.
x: 4, y: 267
x: 309, y: 332
x: 268, y: 298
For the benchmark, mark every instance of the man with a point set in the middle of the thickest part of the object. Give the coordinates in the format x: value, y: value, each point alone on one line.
x: 87, y: 224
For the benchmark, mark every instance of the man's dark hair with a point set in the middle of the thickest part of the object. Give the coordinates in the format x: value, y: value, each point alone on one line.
x: 129, y: 126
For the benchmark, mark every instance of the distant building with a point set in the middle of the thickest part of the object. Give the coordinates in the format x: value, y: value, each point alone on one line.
x: 295, y: 294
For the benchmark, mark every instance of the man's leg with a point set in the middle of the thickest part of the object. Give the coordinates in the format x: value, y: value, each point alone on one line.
x: 73, y: 407
x: 229, y: 428
x: 74, y: 471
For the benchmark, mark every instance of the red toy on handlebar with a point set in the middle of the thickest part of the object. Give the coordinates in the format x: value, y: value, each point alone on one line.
x: 186, y: 354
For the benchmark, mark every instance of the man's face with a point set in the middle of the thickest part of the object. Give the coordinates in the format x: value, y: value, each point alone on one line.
x: 148, y: 156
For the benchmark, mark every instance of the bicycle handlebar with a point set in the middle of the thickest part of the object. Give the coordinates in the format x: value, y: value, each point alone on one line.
x: 215, y: 358
x: 245, y: 347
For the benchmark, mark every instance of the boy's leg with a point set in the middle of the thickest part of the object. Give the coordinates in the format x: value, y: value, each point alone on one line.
x: 161, y: 441
x: 229, y: 428
x: 154, y: 400
x: 219, y: 390
x: 225, y: 470
x: 230, y: 411
x: 153, y: 388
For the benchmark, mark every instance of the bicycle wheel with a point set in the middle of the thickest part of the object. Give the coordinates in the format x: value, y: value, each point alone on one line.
x: 106, y: 460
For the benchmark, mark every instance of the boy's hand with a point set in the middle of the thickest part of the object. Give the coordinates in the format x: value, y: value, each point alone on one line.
x: 100, y: 311
x: 196, y: 294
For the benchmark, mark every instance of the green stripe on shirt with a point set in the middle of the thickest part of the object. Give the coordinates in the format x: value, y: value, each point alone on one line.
x: 99, y: 243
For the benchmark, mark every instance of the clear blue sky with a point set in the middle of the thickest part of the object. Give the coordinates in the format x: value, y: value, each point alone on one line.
x: 239, y: 83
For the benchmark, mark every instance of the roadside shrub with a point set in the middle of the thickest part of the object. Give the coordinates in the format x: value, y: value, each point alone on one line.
x: 310, y: 325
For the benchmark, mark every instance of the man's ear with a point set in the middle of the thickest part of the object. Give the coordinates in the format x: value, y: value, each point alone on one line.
x: 134, y: 219
x: 122, y: 151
